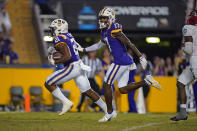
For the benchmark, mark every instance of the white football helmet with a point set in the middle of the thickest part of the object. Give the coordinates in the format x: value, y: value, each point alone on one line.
x: 106, y: 13
x: 58, y: 26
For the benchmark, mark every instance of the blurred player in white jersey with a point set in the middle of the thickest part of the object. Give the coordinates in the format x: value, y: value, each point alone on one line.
x: 117, y: 42
x: 65, y: 44
x: 190, y: 73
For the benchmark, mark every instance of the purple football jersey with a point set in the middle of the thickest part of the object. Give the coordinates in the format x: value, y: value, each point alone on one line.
x: 68, y: 39
x: 118, y: 50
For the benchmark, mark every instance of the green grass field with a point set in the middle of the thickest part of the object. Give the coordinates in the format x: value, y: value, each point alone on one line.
x: 43, y: 121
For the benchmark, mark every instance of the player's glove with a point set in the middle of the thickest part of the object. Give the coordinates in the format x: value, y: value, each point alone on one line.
x: 51, y: 60
x: 143, y: 62
x: 79, y: 47
x: 51, y: 50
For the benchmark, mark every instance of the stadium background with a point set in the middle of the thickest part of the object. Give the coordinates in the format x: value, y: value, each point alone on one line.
x: 141, y: 19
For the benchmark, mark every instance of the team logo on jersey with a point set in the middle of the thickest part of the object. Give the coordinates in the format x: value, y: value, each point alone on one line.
x: 184, y: 31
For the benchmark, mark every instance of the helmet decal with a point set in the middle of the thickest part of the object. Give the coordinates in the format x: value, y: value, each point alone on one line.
x: 106, y: 13
x: 58, y: 26
x: 59, y: 23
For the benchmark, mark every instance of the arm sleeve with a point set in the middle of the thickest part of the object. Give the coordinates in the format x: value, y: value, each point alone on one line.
x: 59, y: 39
x: 94, y: 47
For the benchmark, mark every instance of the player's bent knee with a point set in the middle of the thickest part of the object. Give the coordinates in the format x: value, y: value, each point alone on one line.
x: 180, y: 85
x: 92, y: 94
x: 50, y: 87
x: 46, y: 85
x: 123, y: 91
x: 105, y: 85
x: 84, y: 89
x: 87, y: 91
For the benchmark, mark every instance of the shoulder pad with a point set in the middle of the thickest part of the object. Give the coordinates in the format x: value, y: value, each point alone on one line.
x: 62, y: 37
x: 115, y: 26
x: 59, y: 39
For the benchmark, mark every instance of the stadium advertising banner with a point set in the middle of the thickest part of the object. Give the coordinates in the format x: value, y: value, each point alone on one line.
x: 133, y: 15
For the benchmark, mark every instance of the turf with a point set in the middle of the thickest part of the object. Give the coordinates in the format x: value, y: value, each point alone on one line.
x: 45, y: 121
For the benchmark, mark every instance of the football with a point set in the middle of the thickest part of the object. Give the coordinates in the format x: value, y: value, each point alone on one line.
x: 57, y: 55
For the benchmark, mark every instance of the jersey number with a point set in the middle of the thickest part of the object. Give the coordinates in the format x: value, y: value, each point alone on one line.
x: 57, y: 40
x: 74, y: 46
x: 117, y: 26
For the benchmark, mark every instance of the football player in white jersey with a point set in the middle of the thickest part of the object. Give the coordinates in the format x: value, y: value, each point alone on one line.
x: 65, y: 44
x: 190, y: 73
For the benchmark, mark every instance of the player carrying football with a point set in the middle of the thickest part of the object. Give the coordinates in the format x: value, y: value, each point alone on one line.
x: 65, y: 44
x: 190, y: 73
x: 112, y: 35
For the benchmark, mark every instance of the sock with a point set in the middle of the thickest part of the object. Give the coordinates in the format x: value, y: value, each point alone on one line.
x: 101, y: 104
x: 58, y: 94
x: 183, y: 105
x: 183, y: 110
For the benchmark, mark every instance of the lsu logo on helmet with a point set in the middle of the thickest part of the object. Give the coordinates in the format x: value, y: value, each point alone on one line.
x: 58, y: 26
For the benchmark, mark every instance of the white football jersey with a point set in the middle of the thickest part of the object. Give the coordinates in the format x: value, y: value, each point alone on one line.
x: 191, y: 30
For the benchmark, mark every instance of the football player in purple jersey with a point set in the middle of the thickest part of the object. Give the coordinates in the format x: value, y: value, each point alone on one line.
x: 117, y: 42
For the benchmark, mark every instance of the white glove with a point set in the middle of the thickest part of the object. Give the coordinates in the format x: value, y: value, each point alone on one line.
x: 79, y: 47
x: 143, y: 62
x: 51, y: 50
x: 51, y: 60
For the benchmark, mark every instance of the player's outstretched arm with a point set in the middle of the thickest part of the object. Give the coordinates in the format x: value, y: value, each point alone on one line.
x: 93, y: 47
x: 121, y: 36
x: 64, y: 49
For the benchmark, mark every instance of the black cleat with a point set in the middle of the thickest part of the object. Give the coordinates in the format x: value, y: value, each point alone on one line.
x: 178, y: 119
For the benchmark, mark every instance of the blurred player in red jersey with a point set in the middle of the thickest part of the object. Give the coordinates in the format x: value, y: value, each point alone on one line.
x: 190, y: 73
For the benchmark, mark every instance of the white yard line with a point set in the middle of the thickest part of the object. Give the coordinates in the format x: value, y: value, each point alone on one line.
x: 146, y: 125
x: 150, y: 124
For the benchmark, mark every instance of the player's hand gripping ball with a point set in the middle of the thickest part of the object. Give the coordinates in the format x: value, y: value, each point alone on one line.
x: 57, y: 55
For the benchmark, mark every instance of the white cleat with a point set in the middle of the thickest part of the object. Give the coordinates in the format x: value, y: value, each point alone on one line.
x: 108, y: 117
x: 65, y: 108
x: 151, y: 82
